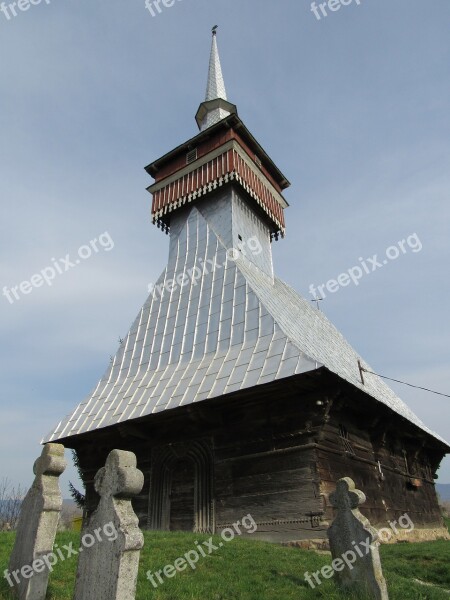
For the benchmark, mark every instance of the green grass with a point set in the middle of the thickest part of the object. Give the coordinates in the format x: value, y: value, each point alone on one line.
x: 251, y: 570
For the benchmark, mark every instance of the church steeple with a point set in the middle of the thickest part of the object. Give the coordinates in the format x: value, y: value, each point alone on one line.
x: 216, y: 106
x: 215, y: 87
x: 225, y: 160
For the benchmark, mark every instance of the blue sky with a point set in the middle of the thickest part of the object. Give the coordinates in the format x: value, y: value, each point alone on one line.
x: 354, y: 109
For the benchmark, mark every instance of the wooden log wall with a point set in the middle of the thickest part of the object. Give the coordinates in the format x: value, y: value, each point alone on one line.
x: 277, y: 460
x: 396, y: 474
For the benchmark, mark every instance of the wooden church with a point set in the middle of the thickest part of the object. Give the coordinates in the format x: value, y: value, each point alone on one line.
x: 237, y: 395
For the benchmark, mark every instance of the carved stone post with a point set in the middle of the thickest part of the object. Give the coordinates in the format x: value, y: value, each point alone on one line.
x: 356, y: 556
x: 39, y: 517
x: 111, y: 541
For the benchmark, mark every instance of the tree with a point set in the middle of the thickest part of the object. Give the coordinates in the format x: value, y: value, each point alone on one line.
x: 78, y: 497
x: 11, y: 499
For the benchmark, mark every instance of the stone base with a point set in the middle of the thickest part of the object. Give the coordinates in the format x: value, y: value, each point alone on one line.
x: 420, y: 535
x: 413, y: 536
x: 319, y: 545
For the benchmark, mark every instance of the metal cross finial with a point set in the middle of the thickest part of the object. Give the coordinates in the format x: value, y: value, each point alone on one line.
x: 317, y: 300
x: 214, y: 29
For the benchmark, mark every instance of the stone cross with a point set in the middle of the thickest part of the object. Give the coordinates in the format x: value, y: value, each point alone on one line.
x: 29, y: 566
x: 356, y: 559
x: 111, y: 541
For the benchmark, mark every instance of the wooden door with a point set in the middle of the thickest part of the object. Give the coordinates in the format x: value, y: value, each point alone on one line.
x: 182, y: 511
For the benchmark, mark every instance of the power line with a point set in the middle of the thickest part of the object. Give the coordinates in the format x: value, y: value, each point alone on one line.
x: 404, y: 383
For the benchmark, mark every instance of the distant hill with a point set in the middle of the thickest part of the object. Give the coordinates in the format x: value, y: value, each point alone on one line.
x: 443, y: 489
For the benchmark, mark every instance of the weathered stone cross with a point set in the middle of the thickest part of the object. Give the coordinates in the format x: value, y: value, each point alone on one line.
x: 112, y: 540
x: 352, y: 541
x: 39, y: 518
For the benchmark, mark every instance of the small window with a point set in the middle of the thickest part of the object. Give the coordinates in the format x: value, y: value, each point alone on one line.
x: 240, y: 237
x: 345, y: 438
x: 428, y: 472
x: 191, y: 156
x: 258, y: 161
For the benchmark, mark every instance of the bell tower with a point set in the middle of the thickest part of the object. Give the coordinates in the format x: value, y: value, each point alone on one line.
x: 226, y: 175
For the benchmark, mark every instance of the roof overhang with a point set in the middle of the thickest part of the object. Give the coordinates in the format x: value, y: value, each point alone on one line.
x: 230, y: 122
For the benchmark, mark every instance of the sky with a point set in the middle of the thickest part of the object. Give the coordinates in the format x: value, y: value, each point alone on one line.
x: 354, y: 109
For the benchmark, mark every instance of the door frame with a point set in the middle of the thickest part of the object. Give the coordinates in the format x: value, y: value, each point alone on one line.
x: 163, y: 461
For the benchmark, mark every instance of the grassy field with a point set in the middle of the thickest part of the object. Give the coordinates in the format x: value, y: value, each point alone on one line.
x: 250, y: 570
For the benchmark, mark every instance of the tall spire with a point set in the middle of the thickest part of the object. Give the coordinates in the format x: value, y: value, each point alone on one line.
x: 216, y: 85
x: 216, y: 106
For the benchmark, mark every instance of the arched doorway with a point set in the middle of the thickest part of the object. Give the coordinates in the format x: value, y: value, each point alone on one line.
x: 181, y: 489
x: 181, y: 496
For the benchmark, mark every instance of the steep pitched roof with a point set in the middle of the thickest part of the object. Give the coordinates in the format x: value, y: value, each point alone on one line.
x: 230, y: 329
